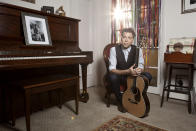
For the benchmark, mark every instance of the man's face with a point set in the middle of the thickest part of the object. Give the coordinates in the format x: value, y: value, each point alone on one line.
x: 127, y: 39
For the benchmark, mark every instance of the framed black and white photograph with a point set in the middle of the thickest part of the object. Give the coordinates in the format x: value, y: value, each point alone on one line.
x: 188, y: 6
x: 48, y: 9
x: 36, y: 30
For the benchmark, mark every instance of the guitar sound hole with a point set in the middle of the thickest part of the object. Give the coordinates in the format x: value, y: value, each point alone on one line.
x: 137, y: 96
x: 136, y: 93
x: 134, y: 90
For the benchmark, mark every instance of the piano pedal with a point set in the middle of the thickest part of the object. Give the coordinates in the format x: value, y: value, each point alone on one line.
x: 13, y: 123
x: 60, y: 94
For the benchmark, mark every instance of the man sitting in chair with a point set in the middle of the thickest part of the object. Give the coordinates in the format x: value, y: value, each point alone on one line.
x: 122, y: 63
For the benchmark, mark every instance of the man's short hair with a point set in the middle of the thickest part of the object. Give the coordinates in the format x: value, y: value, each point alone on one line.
x: 130, y: 30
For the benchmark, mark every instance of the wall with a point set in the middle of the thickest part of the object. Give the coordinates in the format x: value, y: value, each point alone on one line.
x: 174, y: 25
x: 94, y: 29
x: 99, y: 35
x: 78, y: 9
x: 40, y: 3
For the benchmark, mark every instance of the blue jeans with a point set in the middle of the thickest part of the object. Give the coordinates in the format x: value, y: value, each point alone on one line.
x: 116, y: 81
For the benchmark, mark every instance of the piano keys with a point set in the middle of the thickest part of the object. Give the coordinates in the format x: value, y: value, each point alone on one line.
x: 15, y: 61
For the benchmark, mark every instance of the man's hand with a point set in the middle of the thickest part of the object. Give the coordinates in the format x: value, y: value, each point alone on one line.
x: 136, y: 71
x: 132, y: 71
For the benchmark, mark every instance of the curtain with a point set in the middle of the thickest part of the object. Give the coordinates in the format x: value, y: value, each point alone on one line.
x: 147, y: 23
x: 143, y: 16
x: 122, y: 17
x: 147, y: 27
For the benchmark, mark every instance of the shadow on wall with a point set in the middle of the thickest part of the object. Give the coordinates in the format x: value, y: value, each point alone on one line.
x: 101, y: 70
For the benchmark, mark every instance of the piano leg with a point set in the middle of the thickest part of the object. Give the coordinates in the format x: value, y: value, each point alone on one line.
x: 3, y: 104
x: 84, y: 95
x: 27, y: 109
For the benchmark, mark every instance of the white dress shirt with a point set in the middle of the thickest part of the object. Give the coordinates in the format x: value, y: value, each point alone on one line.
x: 113, y: 60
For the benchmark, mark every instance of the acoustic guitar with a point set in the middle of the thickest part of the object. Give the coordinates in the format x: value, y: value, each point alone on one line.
x: 135, y: 99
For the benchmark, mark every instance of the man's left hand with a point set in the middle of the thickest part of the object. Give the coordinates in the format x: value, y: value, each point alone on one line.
x: 138, y: 71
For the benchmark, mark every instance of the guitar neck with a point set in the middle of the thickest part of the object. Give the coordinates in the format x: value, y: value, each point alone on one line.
x: 137, y: 57
x: 134, y: 88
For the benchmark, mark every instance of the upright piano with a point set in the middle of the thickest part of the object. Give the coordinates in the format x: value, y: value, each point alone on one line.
x: 19, y: 61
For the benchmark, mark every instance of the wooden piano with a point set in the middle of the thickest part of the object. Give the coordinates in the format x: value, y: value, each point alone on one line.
x: 19, y: 61
x: 183, y: 63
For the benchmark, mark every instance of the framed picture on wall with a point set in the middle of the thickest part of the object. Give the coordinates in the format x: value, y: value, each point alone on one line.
x: 188, y: 6
x: 36, y: 30
x: 31, y: 1
x: 48, y: 9
x: 187, y: 46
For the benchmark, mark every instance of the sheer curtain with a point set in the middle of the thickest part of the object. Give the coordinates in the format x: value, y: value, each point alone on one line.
x: 147, y: 23
x: 147, y: 27
x: 122, y: 17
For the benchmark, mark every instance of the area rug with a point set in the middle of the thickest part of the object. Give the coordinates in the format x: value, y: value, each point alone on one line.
x: 120, y: 123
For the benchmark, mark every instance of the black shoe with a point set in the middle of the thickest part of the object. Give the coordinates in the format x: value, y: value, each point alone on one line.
x: 121, y: 108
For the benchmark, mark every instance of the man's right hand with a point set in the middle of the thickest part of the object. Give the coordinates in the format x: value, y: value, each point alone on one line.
x: 132, y: 71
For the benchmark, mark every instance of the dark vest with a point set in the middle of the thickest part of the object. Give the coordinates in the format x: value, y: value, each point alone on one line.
x: 121, y: 62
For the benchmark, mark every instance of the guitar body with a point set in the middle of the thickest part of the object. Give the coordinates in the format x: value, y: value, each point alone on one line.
x: 135, y: 99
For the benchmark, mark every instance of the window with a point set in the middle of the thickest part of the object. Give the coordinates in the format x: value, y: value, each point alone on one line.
x: 123, y: 17
x: 147, y: 19
x: 143, y: 16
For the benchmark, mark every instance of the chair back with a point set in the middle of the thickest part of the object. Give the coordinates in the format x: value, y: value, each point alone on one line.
x: 106, y: 54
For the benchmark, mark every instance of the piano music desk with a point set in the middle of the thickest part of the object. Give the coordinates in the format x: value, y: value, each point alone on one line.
x: 40, y: 85
x: 180, y: 62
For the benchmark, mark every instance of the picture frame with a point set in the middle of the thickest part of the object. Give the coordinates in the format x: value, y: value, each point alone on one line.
x: 187, y: 42
x: 36, y: 29
x: 48, y: 9
x: 188, y: 6
x: 31, y: 1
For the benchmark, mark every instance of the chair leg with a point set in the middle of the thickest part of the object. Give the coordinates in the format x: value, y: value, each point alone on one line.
x: 189, y: 102
x: 108, y: 99
x: 106, y: 95
x: 169, y: 81
x: 162, y: 99
x: 168, y: 92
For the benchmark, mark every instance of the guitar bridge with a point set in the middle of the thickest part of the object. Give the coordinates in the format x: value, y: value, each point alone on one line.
x: 132, y: 101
